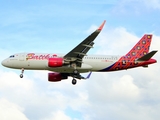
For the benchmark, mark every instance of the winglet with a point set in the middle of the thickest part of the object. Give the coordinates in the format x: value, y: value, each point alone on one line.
x: 89, y: 75
x: 101, y: 27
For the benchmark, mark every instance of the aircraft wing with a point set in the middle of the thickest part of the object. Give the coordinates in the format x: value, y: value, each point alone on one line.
x: 81, y: 50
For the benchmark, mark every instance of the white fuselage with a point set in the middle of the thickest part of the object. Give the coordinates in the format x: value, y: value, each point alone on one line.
x: 39, y: 61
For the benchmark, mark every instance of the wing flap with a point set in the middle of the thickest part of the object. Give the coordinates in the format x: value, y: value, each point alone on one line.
x: 80, y: 53
x: 89, y: 46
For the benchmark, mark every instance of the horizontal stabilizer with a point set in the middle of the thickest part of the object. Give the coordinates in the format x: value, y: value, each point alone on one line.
x: 147, y: 56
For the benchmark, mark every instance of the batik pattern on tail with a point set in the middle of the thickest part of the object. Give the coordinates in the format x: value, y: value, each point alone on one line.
x: 129, y: 60
x: 141, y: 48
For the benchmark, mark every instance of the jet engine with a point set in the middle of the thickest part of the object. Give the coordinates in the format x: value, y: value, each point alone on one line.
x: 55, y: 77
x: 55, y: 62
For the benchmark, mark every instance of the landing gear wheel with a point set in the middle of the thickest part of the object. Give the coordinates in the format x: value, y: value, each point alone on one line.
x: 74, y: 81
x: 21, y: 75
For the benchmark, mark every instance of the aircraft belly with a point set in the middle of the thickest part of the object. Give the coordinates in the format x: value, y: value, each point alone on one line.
x: 67, y: 69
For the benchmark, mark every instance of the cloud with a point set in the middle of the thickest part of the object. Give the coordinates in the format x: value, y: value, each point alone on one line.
x: 123, y: 95
x: 11, y: 111
x: 12, y: 81
x: 59, y: 115
x: 112, y: 41
x: 131, y: 94
x: 135, y: 8
x: 155, y: 4
x: 125, y: 88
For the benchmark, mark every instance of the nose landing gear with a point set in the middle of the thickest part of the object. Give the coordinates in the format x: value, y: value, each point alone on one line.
x: 21, y: 75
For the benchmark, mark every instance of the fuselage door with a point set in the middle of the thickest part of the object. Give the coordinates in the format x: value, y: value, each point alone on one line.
x: 22, y: 57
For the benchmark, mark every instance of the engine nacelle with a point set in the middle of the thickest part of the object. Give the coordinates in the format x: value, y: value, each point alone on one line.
x: 55, y: 62
x: 55, y: 77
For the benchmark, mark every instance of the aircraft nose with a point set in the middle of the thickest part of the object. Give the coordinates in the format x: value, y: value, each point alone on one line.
x: 4, y: 63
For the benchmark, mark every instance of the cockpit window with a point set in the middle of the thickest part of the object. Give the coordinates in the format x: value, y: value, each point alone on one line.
x: 12, y: 56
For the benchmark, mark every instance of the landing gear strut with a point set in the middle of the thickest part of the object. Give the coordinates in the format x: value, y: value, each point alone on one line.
x: 75, y: 72
x: 21, y: 75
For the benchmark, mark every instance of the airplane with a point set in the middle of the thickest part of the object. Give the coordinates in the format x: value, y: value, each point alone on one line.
x: 77, y: 61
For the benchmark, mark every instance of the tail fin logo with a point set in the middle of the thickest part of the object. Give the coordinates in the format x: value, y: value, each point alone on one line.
x: 141, y: 48
x: 130, y: 59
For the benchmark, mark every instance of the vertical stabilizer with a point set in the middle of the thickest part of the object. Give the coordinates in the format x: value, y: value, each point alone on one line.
x: 141, y: 48
x: 137, y: 56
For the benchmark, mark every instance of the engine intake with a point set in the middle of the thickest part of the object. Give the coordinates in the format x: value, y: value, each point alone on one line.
x: 55, y: 62
x: 55, y: 77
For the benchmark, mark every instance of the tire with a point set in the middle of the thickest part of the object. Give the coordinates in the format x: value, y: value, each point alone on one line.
x: 74, y: 81
x: 21, y: 75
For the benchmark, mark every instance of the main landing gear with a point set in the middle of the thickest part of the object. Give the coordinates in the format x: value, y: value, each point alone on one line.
x: 21, y: 75
x: 75, y: 74
x: 74, y: 81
